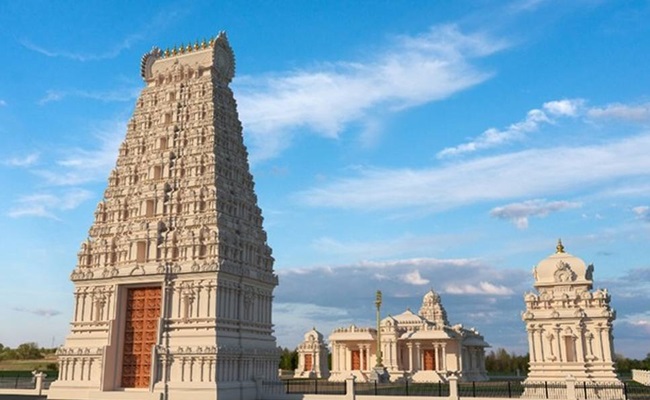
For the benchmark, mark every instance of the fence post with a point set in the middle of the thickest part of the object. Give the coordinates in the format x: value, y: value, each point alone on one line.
x: 258, y: 387
x: 473, y: 388
x: 509, y: 390
x: 39, y: 382
x: 453, y: 387
x: 349, y: 388
x: 571, y: 388
x: 315, y: 385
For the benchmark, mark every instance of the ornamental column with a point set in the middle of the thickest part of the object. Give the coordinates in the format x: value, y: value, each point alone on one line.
x: 531, y: 343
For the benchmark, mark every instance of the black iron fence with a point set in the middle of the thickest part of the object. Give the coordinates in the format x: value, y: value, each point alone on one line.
x: 17, y: 382
x: 402, y: 388
x: 627, y: 390
x: 304, y: 386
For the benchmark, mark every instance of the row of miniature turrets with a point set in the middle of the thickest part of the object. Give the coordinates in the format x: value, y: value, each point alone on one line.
x: 189, y: 48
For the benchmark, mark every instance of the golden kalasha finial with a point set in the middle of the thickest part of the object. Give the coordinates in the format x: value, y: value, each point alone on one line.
x: 181, y: 48
x: 212, y: 41
x: 196, y: 45
x: 203, y: 44
x: 167, y: 52
x: 189, y: 47
x: 559, y: 248
x: 174, y: 51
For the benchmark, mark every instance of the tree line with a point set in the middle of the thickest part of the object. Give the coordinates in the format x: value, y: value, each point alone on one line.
x: 25, y: 351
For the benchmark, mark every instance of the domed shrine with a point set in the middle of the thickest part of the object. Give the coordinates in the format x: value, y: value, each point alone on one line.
x: 312, y: 356
x: 569, y: 325
x: 422, y: 347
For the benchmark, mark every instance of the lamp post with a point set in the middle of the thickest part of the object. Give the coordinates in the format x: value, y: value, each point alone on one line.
x: 378, y: 305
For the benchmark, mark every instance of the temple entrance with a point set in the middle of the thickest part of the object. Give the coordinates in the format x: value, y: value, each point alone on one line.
x: 429, y: 360
x: 356, y: 360
x: 140, y: 334
x: 308, y: 362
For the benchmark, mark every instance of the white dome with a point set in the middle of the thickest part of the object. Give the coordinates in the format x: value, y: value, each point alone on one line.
x: 562, y: 268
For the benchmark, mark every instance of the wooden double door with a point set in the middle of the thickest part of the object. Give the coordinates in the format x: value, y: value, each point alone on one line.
x: 429, y: 360
x: 140, y: 335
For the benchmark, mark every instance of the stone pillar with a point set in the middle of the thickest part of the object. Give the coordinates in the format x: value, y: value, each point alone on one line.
x: 410, y: 353
x: 38, y: 378
x: 580, y: 344
x: 531, y: 343
x: 559, y: 344
x: 443, y: 359
x: 453, y: 387
x: 349, y: 388
x: 599, y: 337
x: 540, y: 340
x: 368, y: 358
x: 570, y: 387
x: 607, y: 345
x: 418, y: 357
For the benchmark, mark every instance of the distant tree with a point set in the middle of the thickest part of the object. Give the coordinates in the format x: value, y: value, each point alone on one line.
x: 288, y: 359
x: 503, y: 362
x: 28, y: 351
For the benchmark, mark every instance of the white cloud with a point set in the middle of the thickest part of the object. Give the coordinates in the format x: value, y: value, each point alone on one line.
x: 328, y: 98
x: 87, y: 165
x: 25, y: 161
x: 483, y: 288
x: 626, y: 112
x: 47, y: 204
x: 118, y: 95
x: 519, y: 213
x: 414, y: 278
x: 537, y: 173
x: 642, y: 213
x: 2, y: 103
x: 565, y: 107
x: 493, y: 137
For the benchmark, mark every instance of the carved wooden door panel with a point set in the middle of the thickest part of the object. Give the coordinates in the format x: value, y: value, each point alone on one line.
x: 308, y: 362
x: 429, y: 360
x: 356, y: 360
x: 140, y: 333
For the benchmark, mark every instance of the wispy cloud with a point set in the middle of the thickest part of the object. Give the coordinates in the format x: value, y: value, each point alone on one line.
x: 41, y: 312
x: 482, y: 288
x: 547, y: 172
x: 25, y: 161
x: 118, y: 95
x: 642, y: 213
x: 46, y: 205
x: 87, y: 165
x: 626, y: 112
x: 519, y: 213
x: 2, y: 103
x: 550, y: 113
x: 534, y: 119
x: 328, y: 98
x: 112, y: 52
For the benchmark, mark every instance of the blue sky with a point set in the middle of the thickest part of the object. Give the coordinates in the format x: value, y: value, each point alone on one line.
x: 398, y: 146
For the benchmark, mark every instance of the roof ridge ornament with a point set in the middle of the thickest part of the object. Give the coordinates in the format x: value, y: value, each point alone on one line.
x: 560, y: 247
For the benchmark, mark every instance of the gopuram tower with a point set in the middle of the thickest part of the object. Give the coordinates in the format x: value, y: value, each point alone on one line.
x: 174, y: 285
x: 569, y: 325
